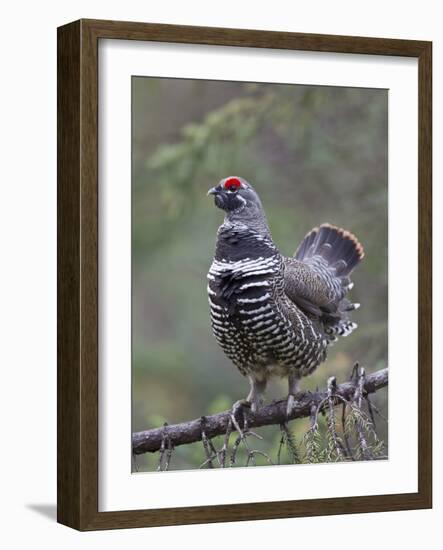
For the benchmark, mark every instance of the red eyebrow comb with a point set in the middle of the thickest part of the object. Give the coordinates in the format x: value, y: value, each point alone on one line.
x: 232, y: 182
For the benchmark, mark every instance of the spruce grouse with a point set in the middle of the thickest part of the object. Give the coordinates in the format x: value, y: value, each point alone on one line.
x: 274, y: 315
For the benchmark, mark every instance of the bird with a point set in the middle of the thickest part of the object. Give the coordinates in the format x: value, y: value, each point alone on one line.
x: 272, y: 315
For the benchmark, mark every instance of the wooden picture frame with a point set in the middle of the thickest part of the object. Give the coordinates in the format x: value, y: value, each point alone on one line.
x: 78, y: 274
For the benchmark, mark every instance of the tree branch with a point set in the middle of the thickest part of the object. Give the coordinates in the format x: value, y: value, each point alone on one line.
x: 150, y: 441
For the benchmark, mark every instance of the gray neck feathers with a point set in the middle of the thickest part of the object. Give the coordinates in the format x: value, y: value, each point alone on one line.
x: 253, y: 216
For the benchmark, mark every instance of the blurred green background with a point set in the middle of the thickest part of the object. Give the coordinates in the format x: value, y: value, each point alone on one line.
x: 315, y: 154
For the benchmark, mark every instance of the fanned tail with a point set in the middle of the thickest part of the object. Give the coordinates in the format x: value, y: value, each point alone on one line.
x: 339, y: 252
x: 340, y: 248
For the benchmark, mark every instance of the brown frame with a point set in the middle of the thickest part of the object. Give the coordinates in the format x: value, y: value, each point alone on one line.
x: 77, y: 455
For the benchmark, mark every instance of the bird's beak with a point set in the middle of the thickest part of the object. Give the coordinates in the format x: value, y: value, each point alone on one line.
x: 213, y: 191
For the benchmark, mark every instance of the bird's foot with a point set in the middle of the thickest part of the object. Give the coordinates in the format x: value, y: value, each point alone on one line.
x: 240, y: 406
x: 290, y: 405
x: 293, y: 399
x: 239, y: 416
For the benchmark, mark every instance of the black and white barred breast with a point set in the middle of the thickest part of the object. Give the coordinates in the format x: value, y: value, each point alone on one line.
x: 256, y: 323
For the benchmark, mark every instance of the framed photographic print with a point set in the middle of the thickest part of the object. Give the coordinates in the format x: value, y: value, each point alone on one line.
x: 244, y: 274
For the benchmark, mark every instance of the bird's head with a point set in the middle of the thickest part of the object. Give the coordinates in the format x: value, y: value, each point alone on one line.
x: 240, y: 202
x: 235, y: 195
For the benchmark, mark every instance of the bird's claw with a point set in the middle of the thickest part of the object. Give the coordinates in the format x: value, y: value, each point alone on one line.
x: 240, y: 406
x: 293, y: 399
x: 290, y: 405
